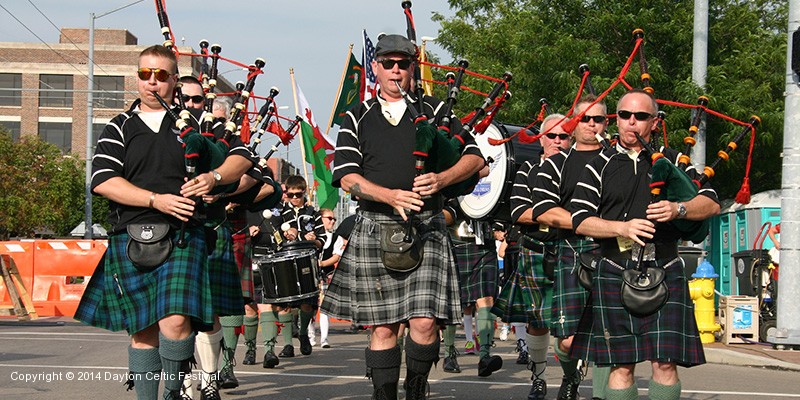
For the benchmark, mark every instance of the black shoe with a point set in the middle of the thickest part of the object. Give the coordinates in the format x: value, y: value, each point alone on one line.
x: 288, y: 351
x: 451, y: 361
x: 270, y: 360
x: 538, y: 389
x: 569, y: 387
x: 210, y: 392
x: 227, y: 379
x: 489, y: 364
x: 250, y: 354
x: 305, y: 345
x: 175, y: 395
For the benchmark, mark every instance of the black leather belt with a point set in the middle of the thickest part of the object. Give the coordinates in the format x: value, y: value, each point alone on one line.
x: 435, y: 203
x: 531, y: 244
x: 610, y: 249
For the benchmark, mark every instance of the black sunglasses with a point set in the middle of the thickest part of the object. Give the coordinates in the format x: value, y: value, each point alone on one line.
x: 330, y: 218
x: 597, y: 118
x: 161, y: 74
x: 562, y: 136
x: 195, y: 99
x: 640, y: 115
x: 388, y: 63
x: 295, y: 195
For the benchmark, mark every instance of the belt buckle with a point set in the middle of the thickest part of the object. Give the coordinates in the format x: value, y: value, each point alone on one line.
x: 649, y: 252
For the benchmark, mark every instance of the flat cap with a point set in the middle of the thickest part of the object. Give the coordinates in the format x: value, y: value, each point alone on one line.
x: 395, y: 44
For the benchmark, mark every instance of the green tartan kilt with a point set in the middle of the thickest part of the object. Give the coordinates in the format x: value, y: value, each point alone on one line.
x: 569, y: 297
x: 477, y: 271
x: 242, y: 252
x: 120, y: 297
x: 223, y: 274
x: 527, y: 296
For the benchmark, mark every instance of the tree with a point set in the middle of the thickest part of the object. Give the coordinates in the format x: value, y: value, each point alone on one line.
x: 41, y: 188
x: 543, y: 42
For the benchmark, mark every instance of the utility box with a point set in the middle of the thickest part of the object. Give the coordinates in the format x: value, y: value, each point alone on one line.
x: 738, y: 316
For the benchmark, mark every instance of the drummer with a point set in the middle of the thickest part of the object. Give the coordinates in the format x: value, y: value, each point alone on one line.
x: 527, y: 295
x: 476, y: 260
x: 553, y: 189
x: 296, y: 221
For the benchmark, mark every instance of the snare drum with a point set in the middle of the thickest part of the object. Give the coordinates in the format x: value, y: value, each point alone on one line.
x: 490, y: 199
x: 290, y: 274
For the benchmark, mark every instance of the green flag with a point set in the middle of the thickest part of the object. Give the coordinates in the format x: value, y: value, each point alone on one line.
x: 319, y: 153
x: 349, y: 95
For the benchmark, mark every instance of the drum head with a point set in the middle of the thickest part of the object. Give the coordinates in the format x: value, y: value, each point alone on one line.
x: 302, y: 244
x: 490, y: 190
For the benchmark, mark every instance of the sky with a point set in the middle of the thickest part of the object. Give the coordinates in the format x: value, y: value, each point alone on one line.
x: 311, y: 36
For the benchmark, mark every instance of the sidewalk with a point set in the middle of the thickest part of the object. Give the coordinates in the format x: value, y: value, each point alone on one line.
x: 755, y: 355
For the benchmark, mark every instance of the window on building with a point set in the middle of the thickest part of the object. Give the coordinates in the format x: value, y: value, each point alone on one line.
x: 109, y: 92
x: 55, y: 90
x: 58, y: 133
x: 97, y: 129
x: 13, y: 127
x: 10, y: 89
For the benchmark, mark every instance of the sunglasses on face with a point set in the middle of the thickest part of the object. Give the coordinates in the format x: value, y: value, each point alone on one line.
x: 161, y: 74
x: 597, y: 118
x: 295, y: 195
x: 562, y: 136
x: 330, y: 218
x: 195, y: 99
x: 389, y: 63
x: 640, y: 115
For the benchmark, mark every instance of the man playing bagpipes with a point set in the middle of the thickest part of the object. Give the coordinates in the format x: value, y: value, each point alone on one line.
x: 527, y: 295
x: 552, y: 190
x: 222, y: 261
x: 375, y: 162
x: 638, y: 243
x: 153, y: 281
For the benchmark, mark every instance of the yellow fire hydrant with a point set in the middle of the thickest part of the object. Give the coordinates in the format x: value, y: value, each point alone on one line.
x: 701, y: 289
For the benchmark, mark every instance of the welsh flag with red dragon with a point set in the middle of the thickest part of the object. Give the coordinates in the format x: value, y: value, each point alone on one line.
x: 318, y: 152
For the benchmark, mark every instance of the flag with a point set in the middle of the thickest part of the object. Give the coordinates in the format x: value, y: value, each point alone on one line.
x: 350, y: 94
x: 425, y: 71
x: 318, y: 152
x: 367, y: 55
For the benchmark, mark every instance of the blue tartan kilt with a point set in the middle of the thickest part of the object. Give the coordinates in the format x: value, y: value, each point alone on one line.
x: 362, y: 290
x: 614, y: 337
x: 120, y: 297
x: 528, y: 295
x: 477, y: 271
x: 569, y: 297
x: 223, y: 273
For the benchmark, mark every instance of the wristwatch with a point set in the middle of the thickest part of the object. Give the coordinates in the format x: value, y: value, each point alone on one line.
x: 681, y: 211
x: 217, y: 176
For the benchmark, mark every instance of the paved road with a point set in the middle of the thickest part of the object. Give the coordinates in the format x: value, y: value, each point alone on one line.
x: 72, y: 361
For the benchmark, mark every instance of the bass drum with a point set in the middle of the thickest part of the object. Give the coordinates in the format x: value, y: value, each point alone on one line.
x: 490, y: 198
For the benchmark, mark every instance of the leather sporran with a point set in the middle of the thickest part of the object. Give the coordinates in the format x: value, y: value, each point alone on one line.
x: 550, y: 261
x: 644, y: 292
x: 149, y: 245
x: 397, y: 254
x: 587, y: 266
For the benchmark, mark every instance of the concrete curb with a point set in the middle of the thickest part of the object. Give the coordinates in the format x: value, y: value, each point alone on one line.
x: 730, y: 357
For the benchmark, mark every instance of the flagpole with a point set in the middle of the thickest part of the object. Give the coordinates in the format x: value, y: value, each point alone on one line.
x: 339, y: 90
x: 302, y: 143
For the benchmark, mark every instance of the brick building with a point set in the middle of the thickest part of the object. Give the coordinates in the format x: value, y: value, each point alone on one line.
x: 43, y: 87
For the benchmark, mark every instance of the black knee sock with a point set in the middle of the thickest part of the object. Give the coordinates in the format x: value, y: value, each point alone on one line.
x: 420, y: 357
x: 384, y: 368
x: 145, y: 367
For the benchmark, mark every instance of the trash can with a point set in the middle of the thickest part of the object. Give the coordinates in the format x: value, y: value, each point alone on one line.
x: 691, y: 259
x: 747, y: 268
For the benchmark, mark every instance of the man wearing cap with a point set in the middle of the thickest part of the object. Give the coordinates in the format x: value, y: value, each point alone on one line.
x: 374, y: 161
